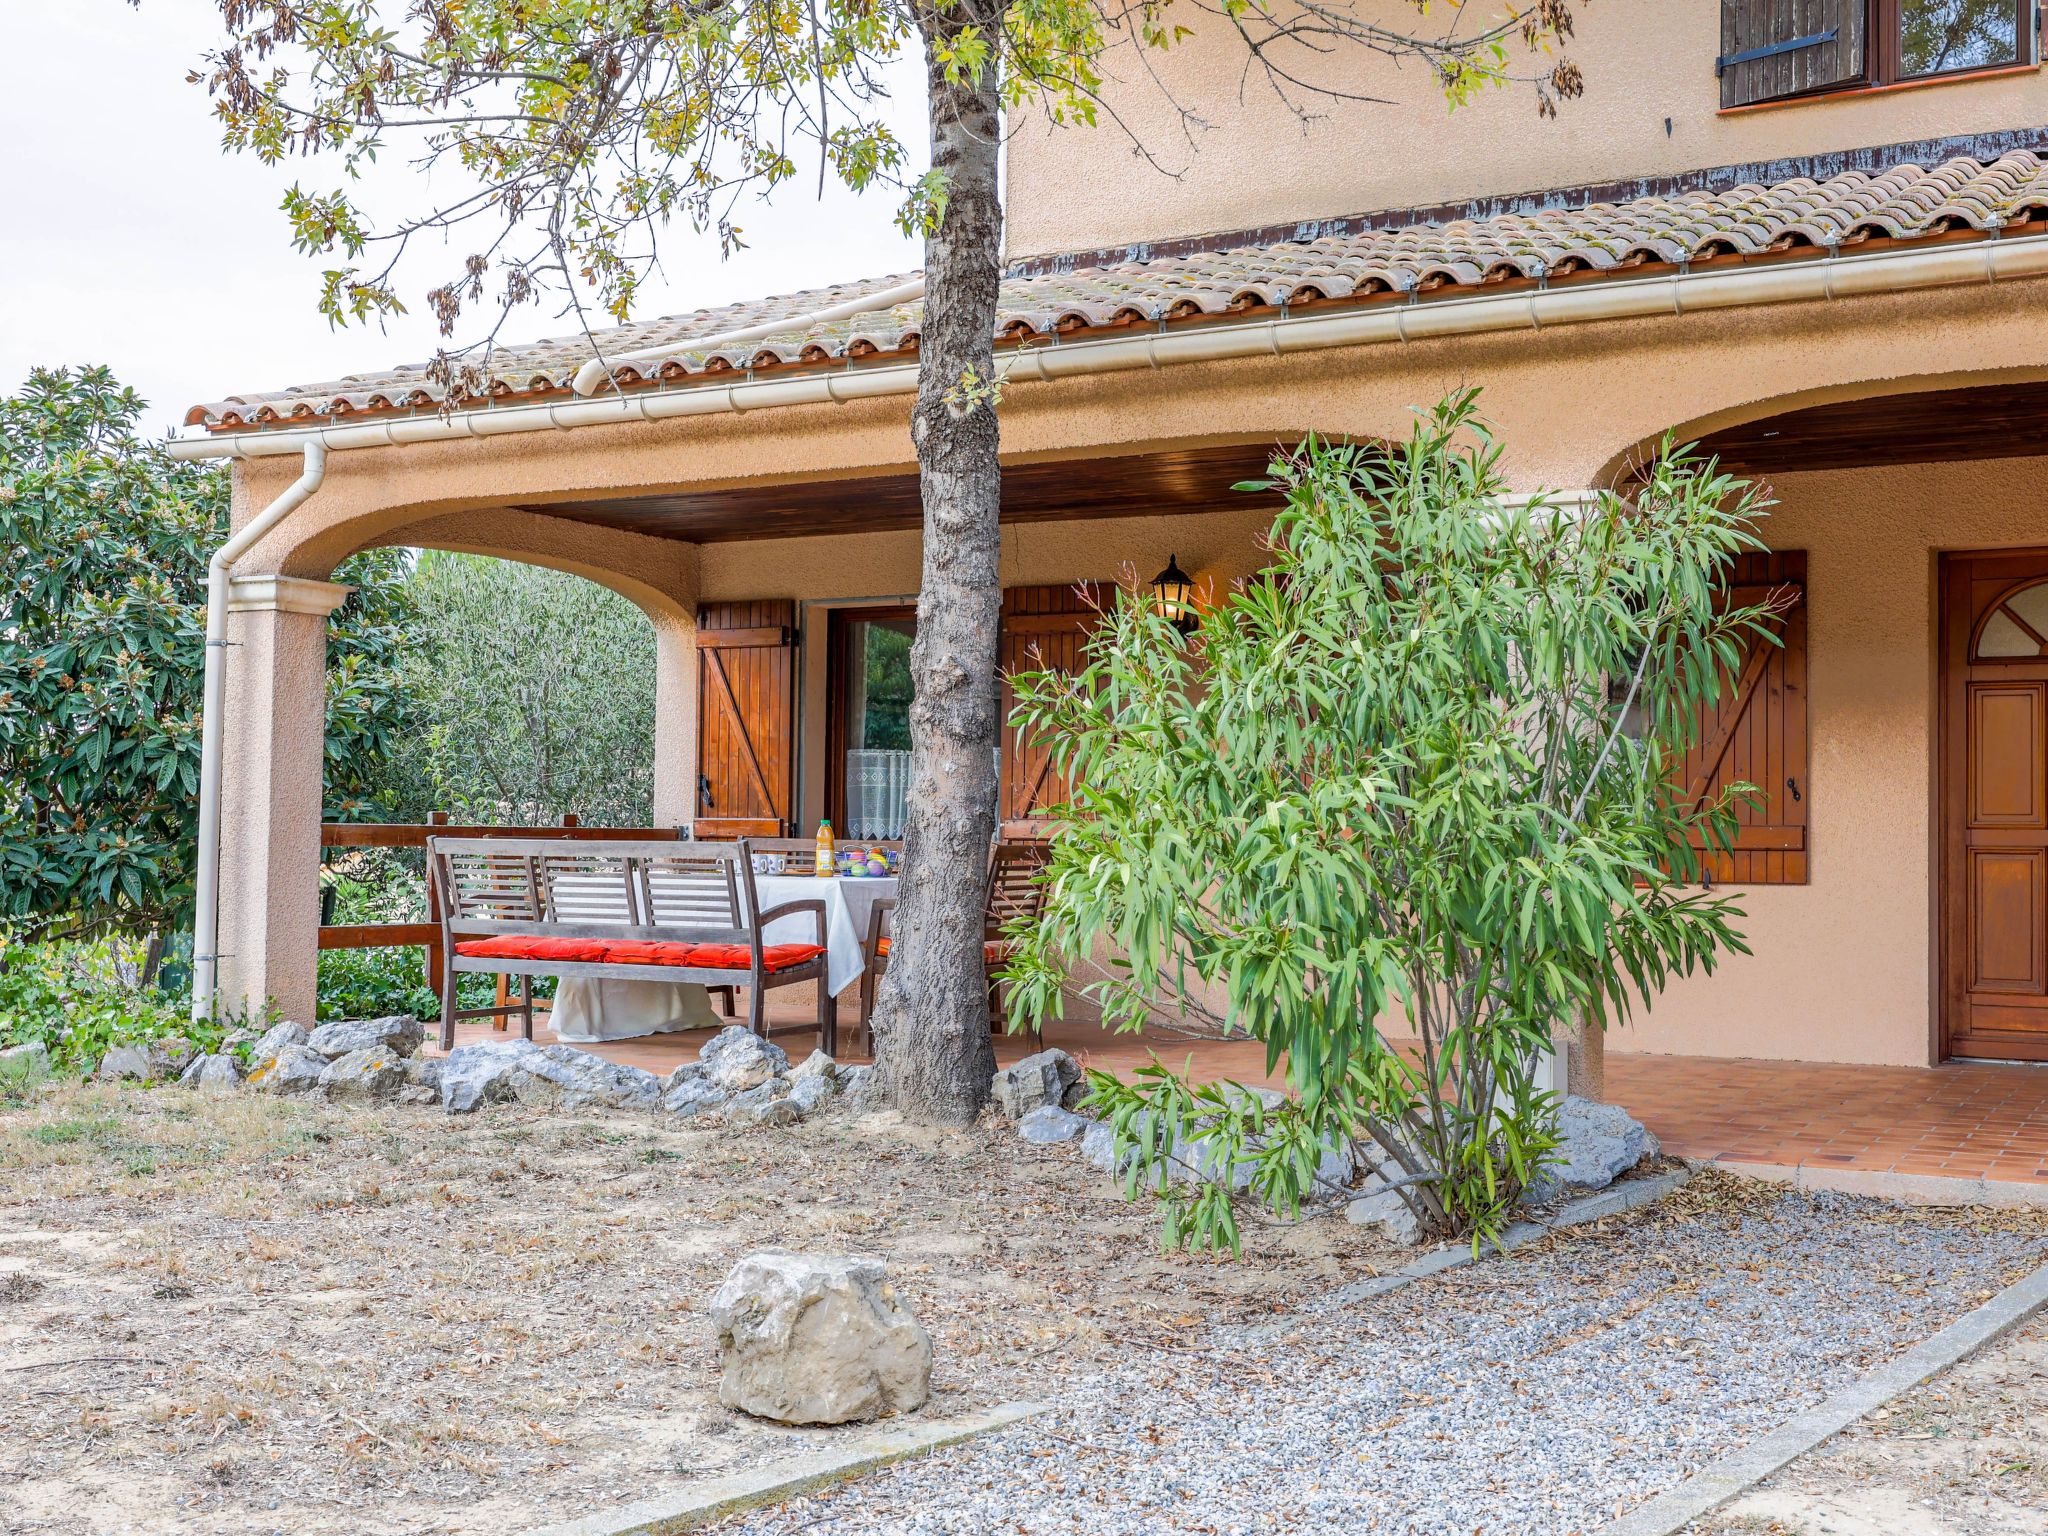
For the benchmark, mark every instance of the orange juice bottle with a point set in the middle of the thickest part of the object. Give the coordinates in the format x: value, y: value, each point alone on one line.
x: 825, y: 847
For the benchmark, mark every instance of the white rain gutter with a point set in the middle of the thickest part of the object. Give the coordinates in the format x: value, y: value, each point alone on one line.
x: 591, y: 376
x: 206, y: 887
x: 1680, y: 293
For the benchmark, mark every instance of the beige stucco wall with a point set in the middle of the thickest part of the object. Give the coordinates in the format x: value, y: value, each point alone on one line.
x: 1251, y: 161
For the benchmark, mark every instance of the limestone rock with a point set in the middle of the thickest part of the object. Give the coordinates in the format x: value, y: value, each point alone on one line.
x: 817, y: 1064
x: 25, y: 1063
x: 860, y: 1091
x: 1048, y: 1125
x: 124, y: 1062
x: 810, y: 1339
x: 692, y: 1095
x: 424, y: 1072
x: 807, y: 1093
x: 294, y: 1069
x: 169, y: 1056
x: 275, y: 1039
x: 1050, y: 1077
x: 212, y: 1072
x: 738, y: 1059
x: 413, y: 1094
x: 1387, y: 1213
x: 401, y: 1034
x: 564, y: 1077
x: 1597, y: 1144
x: 375, y: 1072
x: 483, y: 1073
x: 768, y: 1103
x: 1098, y: 1146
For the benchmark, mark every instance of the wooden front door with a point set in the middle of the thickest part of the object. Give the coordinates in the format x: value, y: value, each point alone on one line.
x: 1994, y: 653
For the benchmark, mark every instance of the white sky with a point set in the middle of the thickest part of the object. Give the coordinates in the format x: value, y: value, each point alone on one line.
x: 127, y: 237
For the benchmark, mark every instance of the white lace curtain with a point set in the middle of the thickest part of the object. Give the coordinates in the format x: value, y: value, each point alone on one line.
x: 877, y: 792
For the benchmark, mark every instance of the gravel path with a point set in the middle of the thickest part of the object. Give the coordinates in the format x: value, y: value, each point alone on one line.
x: 1543, y: 1392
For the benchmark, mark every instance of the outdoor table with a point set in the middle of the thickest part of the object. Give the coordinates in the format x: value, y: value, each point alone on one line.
x: 586, y: 1009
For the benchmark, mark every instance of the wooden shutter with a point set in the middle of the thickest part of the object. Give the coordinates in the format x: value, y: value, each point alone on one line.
x: 1044, y: 629
x: 746, y: 718
x: 1757, y: 734
x: 1774, y: 48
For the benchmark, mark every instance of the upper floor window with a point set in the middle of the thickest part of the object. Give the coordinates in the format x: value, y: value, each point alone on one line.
x: 1771, y: 50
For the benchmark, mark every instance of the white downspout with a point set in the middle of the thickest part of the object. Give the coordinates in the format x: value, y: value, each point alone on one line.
x: 593, y: 373
x: 206, y: 887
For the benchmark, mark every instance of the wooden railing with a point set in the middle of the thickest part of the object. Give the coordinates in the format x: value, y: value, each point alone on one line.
x: 414, y: 835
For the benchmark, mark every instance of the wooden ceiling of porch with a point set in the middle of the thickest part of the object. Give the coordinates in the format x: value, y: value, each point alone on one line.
x: 1988, y: 421
x: 1129, y: 485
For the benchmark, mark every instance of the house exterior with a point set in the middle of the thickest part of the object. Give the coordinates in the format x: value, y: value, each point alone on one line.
x: 1824, y: 256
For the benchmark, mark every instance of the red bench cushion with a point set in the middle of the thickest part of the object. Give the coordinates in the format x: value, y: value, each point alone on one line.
x: 735, y: 957
x: 704, y: 957
x: 992, y: 953
x: 518, y: 946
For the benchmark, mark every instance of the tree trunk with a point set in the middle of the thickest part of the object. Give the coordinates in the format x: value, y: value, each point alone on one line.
x: 932, y: 1044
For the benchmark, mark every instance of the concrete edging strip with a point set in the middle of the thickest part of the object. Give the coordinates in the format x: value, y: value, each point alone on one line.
x: 1714, y: 1485
x: 720, y: 1497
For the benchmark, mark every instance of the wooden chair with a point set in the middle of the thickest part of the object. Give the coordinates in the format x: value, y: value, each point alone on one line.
x: 1013, y: 890
x: 670, y: 912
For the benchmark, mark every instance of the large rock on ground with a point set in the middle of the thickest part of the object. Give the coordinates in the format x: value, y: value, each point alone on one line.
x: 375, y: 1072
x: 483, y: 1073
x: 25, y: 1063
x: 560, y: 1076
x: 768, y: 1103
x: 1048, y: 1125
x: 689, y: 1091
x: 275, y: 1039
x: 808, y: 1093
x: 124, y: 1062
x: 860, y: 1091
x: 169, y: 1057
x: 808, y: 1339
x: 1380, y: 1207
x: 212, y: 1072
x: 401, y: 1034
x: 1597, y: 1144
x: 737, y: 1059
x: 292, y: 1070
x: 1050, y: 1077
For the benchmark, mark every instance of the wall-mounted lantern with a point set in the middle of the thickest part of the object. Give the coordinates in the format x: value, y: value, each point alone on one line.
x: 1173, y: 595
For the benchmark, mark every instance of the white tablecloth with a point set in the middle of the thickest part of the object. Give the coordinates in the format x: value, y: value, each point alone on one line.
x: 616, y: 1010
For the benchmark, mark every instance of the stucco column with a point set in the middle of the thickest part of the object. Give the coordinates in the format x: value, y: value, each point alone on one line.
x: 273, y: 739
x: 1578, y: 1049
x: 675, y: 718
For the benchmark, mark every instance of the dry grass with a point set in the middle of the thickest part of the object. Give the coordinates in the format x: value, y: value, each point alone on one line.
x: 239, y: 1314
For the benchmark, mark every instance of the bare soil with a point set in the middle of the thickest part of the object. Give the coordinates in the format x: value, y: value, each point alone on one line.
x: 236, y: 1314
x: 1964, y: 1455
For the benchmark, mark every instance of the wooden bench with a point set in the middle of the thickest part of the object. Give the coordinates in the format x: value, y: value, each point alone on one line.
x: 622, y: 911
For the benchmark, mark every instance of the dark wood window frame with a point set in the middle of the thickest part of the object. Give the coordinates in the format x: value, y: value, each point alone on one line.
x: 1882, y: 65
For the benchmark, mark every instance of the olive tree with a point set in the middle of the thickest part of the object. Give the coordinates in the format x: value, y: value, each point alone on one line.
x: 577, y: 130
x: 1399, y: 806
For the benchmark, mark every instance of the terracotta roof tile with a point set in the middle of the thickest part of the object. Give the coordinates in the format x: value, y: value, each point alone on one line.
x: 1904, y: 202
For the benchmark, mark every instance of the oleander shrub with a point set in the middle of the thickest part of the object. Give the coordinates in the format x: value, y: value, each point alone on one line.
x: 1397, y: 808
